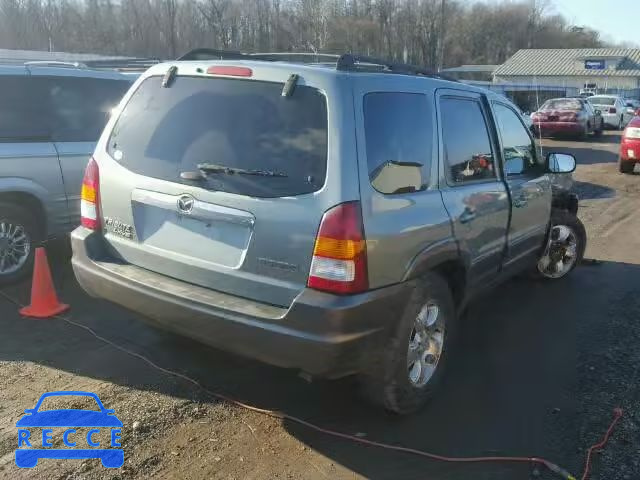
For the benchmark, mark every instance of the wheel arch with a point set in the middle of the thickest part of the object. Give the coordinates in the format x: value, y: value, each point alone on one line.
x: 565, y: 200
x: 446, y: 259
x: 29, y: 201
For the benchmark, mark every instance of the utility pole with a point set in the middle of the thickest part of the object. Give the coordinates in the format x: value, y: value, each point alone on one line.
x: 442, y: 36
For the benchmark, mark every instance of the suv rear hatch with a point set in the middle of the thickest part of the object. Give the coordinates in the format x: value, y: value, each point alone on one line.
x: 212, y: 180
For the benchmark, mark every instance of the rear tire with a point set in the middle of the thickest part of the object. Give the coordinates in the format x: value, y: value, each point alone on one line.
x: 597, y: 132
x: 626, y: 167
x: 391, y: 380
x: 19, y: 233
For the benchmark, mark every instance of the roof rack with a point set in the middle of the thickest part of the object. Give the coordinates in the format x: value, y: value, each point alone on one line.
x: 297, y: 57
x: 354, y: 62
x: 126, y: 64
x: 54, y: 63
x: 347, y: 62
x: 212, y: 54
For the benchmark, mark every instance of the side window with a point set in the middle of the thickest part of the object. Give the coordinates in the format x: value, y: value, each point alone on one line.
x: 398, y: 133
x: 467, y: 147
x: 80, y: 106
x: 587, y: 107
x: 22, y: 117
x: 518, y: 150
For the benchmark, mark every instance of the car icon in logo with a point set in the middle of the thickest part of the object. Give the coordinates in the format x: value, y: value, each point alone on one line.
x: 28, y: 452
x: 185, y: 204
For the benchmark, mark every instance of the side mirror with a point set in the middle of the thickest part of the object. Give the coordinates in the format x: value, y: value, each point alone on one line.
x: 30, y: 410
x: 561, y: 163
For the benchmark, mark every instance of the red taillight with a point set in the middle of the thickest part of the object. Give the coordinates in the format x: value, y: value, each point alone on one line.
x: 90, y: 197
x: 230, y: 71
x: 613, y: 110
x: 339, y: 263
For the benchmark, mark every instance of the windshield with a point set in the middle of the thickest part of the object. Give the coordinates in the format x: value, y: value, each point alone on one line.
x: 241, y: 124
x: 562, y: 104
x: 63, y: 402
x: 602, y: 100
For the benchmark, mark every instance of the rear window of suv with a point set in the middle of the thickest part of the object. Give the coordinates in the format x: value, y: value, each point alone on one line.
x: 280, y: 143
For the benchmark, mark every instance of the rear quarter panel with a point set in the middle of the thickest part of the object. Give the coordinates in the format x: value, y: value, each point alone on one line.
x: 33, y: 169
x: 399, y: 228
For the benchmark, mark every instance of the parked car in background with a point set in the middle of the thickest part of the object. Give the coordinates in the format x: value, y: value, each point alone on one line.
x: 614, y: 110
x: 51, y: 115
x: 567, y: 116
x: 526, y: 117
x: 630, y: 146
x: 332, y: 218
x: 632, y: 106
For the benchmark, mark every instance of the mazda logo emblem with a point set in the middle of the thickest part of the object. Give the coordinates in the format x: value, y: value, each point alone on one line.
x: 185, y: 204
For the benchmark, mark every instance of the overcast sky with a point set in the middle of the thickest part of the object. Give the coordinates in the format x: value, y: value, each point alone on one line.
x: 616, y: 20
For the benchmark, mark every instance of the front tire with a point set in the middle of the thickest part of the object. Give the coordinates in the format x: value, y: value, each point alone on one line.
x: 565, y: 246
x: 407, y: 371
x: 19, y: 234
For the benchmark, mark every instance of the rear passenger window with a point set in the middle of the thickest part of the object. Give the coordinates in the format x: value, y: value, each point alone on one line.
x: 22, y: 114
x: 398, y: 133
x: 80, y: 107
x: 467, y: 148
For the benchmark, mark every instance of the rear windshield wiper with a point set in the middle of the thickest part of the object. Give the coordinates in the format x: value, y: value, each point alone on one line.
x: 213, y: 168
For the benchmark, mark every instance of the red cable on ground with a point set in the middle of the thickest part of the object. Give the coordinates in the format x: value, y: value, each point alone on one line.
x: 284, y: 416
x: 617, y: 414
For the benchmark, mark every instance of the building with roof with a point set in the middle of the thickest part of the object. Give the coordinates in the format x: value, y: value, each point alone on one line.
x: 609, y: 68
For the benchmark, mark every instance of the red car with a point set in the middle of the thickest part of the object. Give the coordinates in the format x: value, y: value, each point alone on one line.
x: 630, y: 146
x: 571, y: 116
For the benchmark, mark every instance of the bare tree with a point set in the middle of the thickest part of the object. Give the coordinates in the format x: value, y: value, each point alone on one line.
x: 434, y: 33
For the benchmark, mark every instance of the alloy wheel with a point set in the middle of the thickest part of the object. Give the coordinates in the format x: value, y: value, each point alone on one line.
x: 15, y: 247
x: 425, y: 345
x: 561, y: 253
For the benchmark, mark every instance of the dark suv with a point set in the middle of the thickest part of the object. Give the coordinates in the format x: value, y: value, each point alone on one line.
x: 332, y: 218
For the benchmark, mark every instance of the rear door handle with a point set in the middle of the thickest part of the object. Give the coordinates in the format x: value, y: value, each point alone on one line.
x: 467, y: 216
x: 520, y: 201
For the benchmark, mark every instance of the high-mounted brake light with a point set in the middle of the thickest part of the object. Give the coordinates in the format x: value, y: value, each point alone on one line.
x: 339, y: 263
x: 230, y: 71
x: 90, y: 197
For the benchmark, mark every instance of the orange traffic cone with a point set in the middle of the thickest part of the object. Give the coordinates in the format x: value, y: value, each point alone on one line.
x: 44, y: 301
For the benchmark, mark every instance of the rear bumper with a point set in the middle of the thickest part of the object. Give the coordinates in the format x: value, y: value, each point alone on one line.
x: 321, y: 334
x: 611, y: 119
x: 553, y: 128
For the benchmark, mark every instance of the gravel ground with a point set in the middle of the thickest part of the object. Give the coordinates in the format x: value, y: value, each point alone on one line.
x: 539, y: 370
